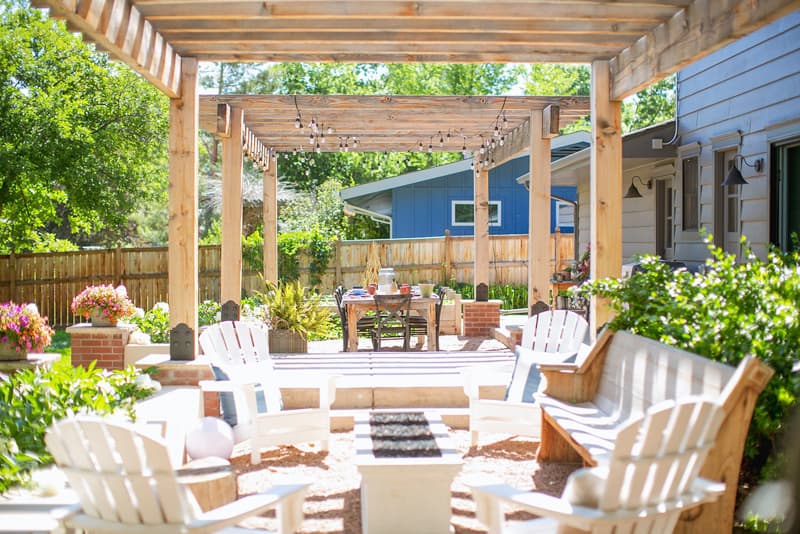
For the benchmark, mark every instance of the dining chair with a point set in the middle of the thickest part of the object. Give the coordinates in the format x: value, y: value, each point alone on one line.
x: 391, y: 319
x: 418, y: 325
x: 364, y: 326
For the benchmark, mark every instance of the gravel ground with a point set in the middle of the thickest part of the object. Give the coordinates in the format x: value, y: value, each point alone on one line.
x: 332, y: 504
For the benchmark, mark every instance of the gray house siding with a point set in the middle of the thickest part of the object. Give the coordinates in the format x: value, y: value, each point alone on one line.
x: 752, y: 86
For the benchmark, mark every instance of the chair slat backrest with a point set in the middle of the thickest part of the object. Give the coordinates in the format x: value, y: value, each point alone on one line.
x: 119, y: 474
x: 235, y: 341
x: 639, y: 372
x: 656, y: 458
x: 554, y: 331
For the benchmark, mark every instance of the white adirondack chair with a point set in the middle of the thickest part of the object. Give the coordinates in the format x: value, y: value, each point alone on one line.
x: 125, y: 483
x: 548, y: 337
x: 250, y: 390
x: 648, y: 480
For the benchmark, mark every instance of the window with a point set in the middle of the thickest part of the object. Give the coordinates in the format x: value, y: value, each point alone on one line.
x: 464, y: 213
x: 565, y: 214
x: 690, y: 208
x: 785, y: 221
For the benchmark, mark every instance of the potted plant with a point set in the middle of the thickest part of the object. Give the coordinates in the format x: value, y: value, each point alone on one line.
x: 293, y: 313
x: 22, y: 329
x: 103, y: 304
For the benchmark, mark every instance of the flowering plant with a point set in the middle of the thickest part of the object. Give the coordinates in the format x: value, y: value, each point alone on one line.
x: 23, y: 327
x: 112, y: 302
x: 581, y: 269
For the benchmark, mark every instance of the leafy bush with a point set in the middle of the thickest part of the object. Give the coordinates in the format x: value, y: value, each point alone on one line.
x: 317, y: 245
x: 724, y: 313
x: 155, y: 323
x: 31, y: 400
x: 208, y: 312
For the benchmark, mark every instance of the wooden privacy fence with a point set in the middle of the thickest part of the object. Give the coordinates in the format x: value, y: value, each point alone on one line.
x: 440, y: 260
x: 51, y: 280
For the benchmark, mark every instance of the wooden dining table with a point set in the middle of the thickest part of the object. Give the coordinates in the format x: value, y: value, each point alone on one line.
x: 357, y: 305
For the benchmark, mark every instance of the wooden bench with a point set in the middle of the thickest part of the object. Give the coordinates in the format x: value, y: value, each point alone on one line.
x: 585, y: 404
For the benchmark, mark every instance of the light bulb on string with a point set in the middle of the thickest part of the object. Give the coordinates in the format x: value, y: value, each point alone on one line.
x: 496, y: 131
x: 322, y: 138
x: 482, y: 150
x: 441, y: 139
x: 317, y: 149
x: 502, y: 140
x: 311, y: 139
x: 493, y: 145
x: 297, y: 122
x: 330, y: 130
x: 420, y: 146
x: 355, y: 142
x: 505, y: 121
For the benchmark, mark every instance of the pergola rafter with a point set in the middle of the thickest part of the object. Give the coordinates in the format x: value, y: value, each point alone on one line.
x: 643, y: 40
x: 386, y: 123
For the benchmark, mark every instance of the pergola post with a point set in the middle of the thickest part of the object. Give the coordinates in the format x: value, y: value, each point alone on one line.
x: 539, y: 251
x: 481, y: 226
x: 605, y: 188
x: 271, y: 221
x: 183, y: 204
x: 231, y: 249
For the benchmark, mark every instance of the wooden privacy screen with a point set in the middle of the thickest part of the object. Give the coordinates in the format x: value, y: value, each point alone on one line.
x: 51, y: 280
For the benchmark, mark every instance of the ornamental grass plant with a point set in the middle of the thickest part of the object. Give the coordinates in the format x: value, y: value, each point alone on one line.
x: 113, y: 303
x: 23, y: 328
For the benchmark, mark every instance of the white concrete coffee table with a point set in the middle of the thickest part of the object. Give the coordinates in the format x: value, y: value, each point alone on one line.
x: 406, y: 494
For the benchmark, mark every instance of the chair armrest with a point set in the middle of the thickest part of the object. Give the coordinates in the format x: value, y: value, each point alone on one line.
x: 477, y: 375
x: 232, y: 513
x: 326, y: 383
x: 223, y: 386
x: 488, y: 497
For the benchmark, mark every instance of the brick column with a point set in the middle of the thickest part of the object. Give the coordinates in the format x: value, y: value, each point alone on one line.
x: 481, y: 317
x: 103, y: 344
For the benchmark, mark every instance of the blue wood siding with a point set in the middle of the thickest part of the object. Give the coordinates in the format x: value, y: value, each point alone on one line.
x: 424, y: 209
x: 752, y: 85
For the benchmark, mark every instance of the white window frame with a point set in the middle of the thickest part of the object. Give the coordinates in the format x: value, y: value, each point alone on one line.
x: 471, y: 203
x: 560, y: 218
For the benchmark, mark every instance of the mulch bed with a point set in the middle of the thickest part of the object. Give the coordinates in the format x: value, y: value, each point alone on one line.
x: 333, y: 503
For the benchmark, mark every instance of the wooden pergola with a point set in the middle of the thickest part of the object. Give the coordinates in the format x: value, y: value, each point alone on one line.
x: 265, y: 126
x: 628, y: 43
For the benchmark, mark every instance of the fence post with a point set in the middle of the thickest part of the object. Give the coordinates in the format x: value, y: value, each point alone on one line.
x: 118, y: 271
x: 557, y: 243
x: 13, y: 281
x: 447, y: 257
x: 337, y: 250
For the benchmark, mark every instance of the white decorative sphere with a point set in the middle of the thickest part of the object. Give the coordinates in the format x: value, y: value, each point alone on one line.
x: 210, y: 436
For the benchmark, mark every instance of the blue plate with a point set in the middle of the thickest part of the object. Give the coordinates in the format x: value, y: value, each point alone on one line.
x: 358, y: 292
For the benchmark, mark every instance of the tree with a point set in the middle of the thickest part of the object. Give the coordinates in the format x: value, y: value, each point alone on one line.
x: 82, y: 140
x: 652, y: 105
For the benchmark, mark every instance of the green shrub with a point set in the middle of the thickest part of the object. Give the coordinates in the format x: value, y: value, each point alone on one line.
x: 318, y: 246
x: 31, y: 400
x: 724, y: 313
x: 155, y: 323
x: 208, y: 312
x: 513, y: 297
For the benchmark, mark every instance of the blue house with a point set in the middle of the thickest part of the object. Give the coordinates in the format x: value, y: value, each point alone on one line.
x: 428, y: 202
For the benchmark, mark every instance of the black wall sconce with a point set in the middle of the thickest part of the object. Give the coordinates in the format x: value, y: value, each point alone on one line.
x: 735, y: 175
x: 633, y: 192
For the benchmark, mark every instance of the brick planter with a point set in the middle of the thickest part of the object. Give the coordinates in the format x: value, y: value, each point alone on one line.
x: 481, y: 318
x: 103, y: 344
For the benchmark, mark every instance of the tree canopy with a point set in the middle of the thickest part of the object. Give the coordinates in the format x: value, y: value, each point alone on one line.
x: 82, y: 139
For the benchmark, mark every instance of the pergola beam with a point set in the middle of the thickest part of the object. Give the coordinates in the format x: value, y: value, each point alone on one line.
x: 701, y: 28
x: 117, y: 27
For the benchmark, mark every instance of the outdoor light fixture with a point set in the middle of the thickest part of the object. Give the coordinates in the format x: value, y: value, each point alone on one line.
x: 633, y: 192
x: 735, y: 175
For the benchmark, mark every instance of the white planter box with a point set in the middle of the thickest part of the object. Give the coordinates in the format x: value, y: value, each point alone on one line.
x: 402, y: 495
